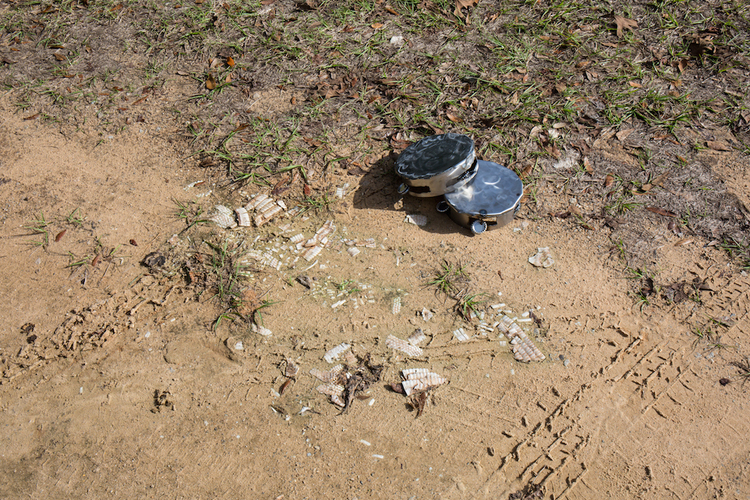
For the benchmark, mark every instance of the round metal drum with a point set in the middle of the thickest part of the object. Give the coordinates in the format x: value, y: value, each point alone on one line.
x: 436, y: 165
x: 488, y: 201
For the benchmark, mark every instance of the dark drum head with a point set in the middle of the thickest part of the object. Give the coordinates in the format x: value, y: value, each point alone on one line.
x: 493, y: 190
x: 433, y: 155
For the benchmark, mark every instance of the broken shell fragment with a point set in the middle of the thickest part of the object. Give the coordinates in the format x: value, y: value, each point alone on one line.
x: 523, y: 348
x: 267, y: 215
x: 331, y: 389
x: 407, y: 348
x: 328, y: 376
x: 412, y: 373
x: 243, y: 217
x: 543, y: 258
x: 256, y: 201
x: 427, y: 314
x: 417, y: 337
x: 396, y: 308
x: 526, y: 351
x: 311, y: 253
x: 325, y: 230
x: 461, y: 335
x: 353, y: 251
x: 333, y: 354
x: 334, y: 391
x: 224, y: 217
x: 291, y: 369
x: 261, y: 330
x: 420, y: 379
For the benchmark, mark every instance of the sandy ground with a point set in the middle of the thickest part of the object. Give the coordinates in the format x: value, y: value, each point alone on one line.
x: 115, y: 383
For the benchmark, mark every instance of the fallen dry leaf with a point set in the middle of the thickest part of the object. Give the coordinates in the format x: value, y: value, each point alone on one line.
x: 635, y: 85
x: 719, y: 145
x: 460, y: 4
x: 661, y: 211
x: 59, y: 57
x: 210, y: 82
x: 377, y: 26
x: 624, y: 23
x: 609, y: 180
x: 390, y: 9
x: 587, y: 165
x: 453, y: 118
x: 623, y: 134
x: 230, y: 62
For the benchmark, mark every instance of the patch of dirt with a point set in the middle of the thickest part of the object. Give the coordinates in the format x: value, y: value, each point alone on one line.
x: 146, y: 350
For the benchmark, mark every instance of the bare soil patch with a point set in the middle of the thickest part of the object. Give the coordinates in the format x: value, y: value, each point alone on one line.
x: 147, y: 352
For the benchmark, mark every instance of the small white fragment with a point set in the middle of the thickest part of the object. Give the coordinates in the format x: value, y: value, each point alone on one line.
x: 255, y: 202
x: 366, y: 443
x: 333, y: 354
x: 396, y: 40
x: 426, y: 314
x: 372, y: 402
x: 498, y: 306
x: 422, y: 381
x: 353, y: 251
x: 417, y: 337
x: 414, y: 373
x: 460, y: 335
x: 330, y: 376
x: 224, y: 217
x: 396, y: 305
x: 238, y: 346
x: 393, y: 342
x: 416, y: 219
x: 543, y: 258
x: 311, y: 253
x: 331, y: 389
x: 243, y: 217
x: 261, y: 330
x: 339, y: 303
x: 377, y: 456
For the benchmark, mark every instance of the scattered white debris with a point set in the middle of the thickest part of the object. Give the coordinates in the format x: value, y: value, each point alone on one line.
x: 461, y: 335
x: 333, y: 354
x: 417, y: 337
x: 543, y: 258
x: 407, y: 348
x: 261, y: 330
x: 420, y: 379
x: 224, y: 217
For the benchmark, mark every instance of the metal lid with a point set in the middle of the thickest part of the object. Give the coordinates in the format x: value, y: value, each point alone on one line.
x: 493, y: 191
x: 434, y: 155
